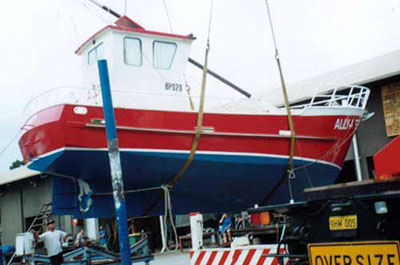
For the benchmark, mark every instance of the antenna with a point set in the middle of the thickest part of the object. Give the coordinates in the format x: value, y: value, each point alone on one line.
x: 107, y: 9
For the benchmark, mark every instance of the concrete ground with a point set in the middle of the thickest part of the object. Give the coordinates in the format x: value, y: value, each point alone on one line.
x: 174, y: 258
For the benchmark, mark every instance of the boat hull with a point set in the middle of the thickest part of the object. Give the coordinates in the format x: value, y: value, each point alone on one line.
x: 241, y: 159
x: 213, y: 183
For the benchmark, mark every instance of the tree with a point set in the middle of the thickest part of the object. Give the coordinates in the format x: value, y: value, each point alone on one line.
x: 16, y: 163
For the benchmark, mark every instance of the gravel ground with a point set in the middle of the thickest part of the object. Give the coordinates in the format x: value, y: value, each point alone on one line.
x: 175, y: 258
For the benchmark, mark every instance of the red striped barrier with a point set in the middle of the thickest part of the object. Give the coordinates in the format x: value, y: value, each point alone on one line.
x: 248, y: 255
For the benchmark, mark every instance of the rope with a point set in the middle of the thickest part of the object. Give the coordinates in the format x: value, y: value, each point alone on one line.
x: 168, y: 17
x: 305, y: 169
x: 72, y: 20
x: 334, y: 148
x: 168, y: 213
x: 188, y: 93
x: 285, y: 96
x: 167, y: 210
x: 128, y: 191
x: 9, y: 143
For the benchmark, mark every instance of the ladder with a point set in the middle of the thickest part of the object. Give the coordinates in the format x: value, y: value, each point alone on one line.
x: 38, y: 224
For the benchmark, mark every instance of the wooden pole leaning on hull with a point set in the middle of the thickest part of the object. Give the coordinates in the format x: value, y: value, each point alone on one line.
x: 190, y: 60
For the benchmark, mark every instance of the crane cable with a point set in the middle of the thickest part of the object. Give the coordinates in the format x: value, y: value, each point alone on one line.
x: 168, y: 16
x: 290, y: 170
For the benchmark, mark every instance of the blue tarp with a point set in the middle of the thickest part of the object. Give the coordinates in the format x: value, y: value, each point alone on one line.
x: 7, y: 249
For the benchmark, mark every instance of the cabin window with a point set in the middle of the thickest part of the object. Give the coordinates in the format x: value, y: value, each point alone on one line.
x: 95, y: 54
x: 133, y: 51
x: 163, y: 54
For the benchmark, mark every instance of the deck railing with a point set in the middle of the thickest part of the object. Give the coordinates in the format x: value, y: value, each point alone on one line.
x: 342, y: 96
x: 339, y: 96
x: 140, y: 99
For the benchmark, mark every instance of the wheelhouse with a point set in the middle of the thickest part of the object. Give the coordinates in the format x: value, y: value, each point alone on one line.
x: 142, y: 64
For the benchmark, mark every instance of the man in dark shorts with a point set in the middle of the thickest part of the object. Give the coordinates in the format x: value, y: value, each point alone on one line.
x: 52, y: 242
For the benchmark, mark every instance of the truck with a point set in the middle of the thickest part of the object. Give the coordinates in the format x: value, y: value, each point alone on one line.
x: 354, y: 223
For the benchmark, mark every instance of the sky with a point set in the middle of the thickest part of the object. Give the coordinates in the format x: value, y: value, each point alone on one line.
x: 38, y: 40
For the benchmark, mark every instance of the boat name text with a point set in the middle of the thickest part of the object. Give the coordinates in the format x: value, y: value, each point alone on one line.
x: 346, y: 123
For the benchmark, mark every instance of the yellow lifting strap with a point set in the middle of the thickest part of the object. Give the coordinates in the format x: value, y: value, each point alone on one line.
x: 285, y: 96
x: 199, y: 127
x: 291, y: 127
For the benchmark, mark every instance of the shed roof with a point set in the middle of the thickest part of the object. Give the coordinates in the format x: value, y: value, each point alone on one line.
x: 361, y: 73
x: 17, y: 174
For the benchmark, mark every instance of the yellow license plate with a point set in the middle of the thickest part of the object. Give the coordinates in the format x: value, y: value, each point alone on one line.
x: 343, y: 222
x: 355, y: 253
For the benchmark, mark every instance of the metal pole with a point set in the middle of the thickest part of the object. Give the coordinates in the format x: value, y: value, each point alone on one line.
x: 356, y: 158
x: 163, y: 240
x: 115, y: 164
x: 220, y: 78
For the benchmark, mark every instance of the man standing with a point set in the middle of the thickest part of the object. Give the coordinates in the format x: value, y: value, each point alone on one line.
x: 52, y: 242
x: 225, y: 227
x: 103, y: 237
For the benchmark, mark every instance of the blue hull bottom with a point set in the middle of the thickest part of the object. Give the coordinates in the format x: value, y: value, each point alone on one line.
x: 215, y: 182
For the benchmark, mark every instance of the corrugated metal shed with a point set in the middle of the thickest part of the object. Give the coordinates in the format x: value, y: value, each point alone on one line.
x: 17, y: 174
x: 361, y: 73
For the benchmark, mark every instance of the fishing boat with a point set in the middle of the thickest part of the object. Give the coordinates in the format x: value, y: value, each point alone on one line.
x: 242, y: 156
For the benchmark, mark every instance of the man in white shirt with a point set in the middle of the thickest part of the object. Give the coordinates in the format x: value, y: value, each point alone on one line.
x: 52, y: 242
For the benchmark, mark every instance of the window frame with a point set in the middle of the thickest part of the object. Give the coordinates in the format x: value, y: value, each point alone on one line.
x: 94, y: 49
x: 173, y: 57
x: 141, y: 51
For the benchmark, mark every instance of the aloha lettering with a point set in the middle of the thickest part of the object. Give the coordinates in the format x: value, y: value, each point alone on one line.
x: 346, y: 124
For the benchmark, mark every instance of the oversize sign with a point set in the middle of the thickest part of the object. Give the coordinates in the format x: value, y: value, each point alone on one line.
x: 355, y: 253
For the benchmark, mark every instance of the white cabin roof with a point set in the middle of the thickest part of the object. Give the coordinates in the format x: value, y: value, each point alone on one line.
x: 125, y: 24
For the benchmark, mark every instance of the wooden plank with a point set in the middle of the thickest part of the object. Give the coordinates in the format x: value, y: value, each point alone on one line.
x: 391, y: 108
x: 344, y: 190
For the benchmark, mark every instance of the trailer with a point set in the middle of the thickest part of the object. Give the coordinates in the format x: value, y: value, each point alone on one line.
x: 355, y: 223
x: 349, y: 223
